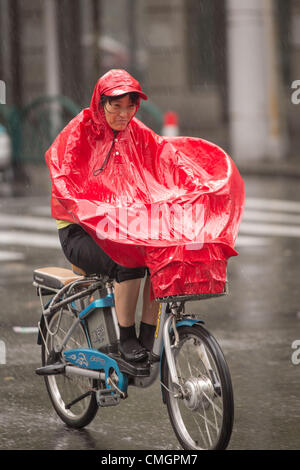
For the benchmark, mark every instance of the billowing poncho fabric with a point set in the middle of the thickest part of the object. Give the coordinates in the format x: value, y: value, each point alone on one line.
x: 171, y: 204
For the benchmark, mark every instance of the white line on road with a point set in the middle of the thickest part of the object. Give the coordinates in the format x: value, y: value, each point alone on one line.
x: 243, y: 241
x: 11, y: 256
x: 260, y: 218
x: 49, y: 241
x: 29, y: 239
x: 270, y: 229
x: 264, y: 216
x: 272, y: 204
x: 42, y: 210
x: 25, y: 329
x: 40, y: 223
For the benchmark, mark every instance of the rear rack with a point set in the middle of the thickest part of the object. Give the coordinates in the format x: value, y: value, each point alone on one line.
x: 62, y: 282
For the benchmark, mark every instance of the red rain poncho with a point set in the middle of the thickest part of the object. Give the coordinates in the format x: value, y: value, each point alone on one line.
x: 172, y: 204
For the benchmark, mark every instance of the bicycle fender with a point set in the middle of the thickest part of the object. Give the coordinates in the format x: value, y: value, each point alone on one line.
x: 188, y: 322
x: 185, y: 322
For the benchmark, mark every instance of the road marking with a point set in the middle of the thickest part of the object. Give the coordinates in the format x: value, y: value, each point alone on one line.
x: 271, y: 217
x: 48, y: 241
x: 270, y: 229
x: 41, y: 210
x: 272, y: 204
x: 243, y: 241
x: 11, y: 256
x: 29, y: 239
x: 262, y: 219
x: 25, y: 329
x: 39, y: 223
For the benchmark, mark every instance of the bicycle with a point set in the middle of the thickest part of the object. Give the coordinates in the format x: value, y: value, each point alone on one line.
x: 83, y: 370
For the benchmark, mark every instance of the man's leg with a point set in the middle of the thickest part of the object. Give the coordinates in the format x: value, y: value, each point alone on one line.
x: 80, y: 249
x: 150, y: 309
x: 149, y: 317
x: 126, y: 297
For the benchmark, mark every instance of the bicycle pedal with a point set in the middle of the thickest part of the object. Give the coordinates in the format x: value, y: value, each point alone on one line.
x: 51, y: 369
x: 136, y: 369
x: 107, y: 398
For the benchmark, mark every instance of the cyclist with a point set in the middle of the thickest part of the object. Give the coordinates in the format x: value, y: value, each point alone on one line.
x: 104, y: 155
x: 114, y: 103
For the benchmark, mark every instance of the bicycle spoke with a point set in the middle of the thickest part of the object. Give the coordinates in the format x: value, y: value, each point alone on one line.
x: 66, y: 389
x: 206, y: 421
x: 200, y: 431
x: 213, y: 404
x: 198, y: 417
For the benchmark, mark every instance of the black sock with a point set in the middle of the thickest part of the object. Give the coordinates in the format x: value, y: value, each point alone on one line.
x: 128, y: 338
x: 146, y: 336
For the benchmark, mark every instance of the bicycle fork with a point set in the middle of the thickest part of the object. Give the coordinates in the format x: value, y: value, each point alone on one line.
x: 167, y: 324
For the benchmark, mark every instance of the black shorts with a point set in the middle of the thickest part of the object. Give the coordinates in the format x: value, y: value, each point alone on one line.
x: 81, y: 250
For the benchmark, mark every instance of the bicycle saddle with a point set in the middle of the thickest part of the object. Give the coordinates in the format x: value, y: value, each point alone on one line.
x: 54, y: 277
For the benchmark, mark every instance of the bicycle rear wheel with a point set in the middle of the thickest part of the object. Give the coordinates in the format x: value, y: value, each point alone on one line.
x: 64, y: 389
x: 203, y: 417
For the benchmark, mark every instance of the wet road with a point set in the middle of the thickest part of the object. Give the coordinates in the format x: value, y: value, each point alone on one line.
x: 255, y: 324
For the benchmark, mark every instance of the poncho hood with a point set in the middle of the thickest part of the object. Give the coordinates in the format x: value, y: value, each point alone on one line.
x: 172, y: 204
x: 115, y: 82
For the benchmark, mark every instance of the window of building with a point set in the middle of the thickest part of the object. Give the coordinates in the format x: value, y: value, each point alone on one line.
x: 205, y: 41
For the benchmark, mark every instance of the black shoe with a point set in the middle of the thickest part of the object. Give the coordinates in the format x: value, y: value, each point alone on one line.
x: 130, y: 348
x: 132, y: 351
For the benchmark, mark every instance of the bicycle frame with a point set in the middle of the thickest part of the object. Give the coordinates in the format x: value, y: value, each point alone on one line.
x: 98, y: 365
x: 80, y: 336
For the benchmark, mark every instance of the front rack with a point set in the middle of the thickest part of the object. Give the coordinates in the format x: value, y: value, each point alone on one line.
x: 188, y: 298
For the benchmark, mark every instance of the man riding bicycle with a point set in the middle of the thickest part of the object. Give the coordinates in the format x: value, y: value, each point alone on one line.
x: 105, y: 156
x: 114, y: 103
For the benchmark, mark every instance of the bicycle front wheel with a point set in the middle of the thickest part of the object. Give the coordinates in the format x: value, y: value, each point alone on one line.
x: 64, y: 390
x: 202, y: 417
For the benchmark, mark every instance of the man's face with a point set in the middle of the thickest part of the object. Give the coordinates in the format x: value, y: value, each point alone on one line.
x: 119, y: 112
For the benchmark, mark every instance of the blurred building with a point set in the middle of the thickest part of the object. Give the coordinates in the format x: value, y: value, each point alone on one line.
x: 225, y: 66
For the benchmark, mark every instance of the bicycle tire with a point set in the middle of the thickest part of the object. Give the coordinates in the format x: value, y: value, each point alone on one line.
x: 203, y: 419
x: 61, y: 388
